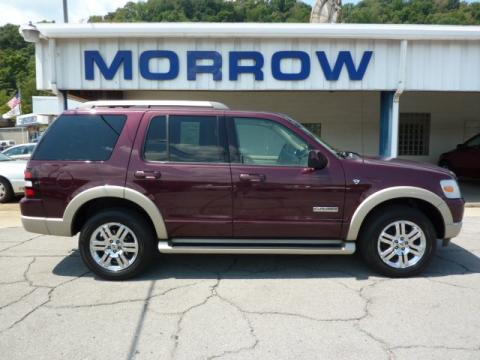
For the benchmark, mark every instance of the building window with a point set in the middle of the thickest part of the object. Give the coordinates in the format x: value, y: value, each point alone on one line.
x: 414, y: 134
x: 315, y: 128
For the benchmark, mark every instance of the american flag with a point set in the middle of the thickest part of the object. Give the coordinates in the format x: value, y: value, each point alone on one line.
x: 15, y: 101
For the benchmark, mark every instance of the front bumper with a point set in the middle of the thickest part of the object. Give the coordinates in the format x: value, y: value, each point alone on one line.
x: 452, y: 230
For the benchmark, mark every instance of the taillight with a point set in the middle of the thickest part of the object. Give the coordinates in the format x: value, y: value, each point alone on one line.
x: 31, y: 186
x: 29, y: 192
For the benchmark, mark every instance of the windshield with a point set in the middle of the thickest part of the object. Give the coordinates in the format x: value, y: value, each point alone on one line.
x: 4, y: 157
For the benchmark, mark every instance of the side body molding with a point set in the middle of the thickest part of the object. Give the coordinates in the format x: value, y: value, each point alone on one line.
x: 394, y: 193
x: 118, y: 192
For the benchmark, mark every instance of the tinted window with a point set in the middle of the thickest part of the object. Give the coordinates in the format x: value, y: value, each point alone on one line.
x: 80, y: 137
x: 194, y: 139
x: 156, y: 142
x: 265, y: 142
x: 14, y: 151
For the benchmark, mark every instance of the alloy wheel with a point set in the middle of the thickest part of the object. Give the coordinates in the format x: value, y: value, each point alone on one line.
x: 114, y: 246
x: 401, y: 244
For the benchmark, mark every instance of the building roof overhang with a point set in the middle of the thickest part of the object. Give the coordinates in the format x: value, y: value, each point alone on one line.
x: 33, y: 33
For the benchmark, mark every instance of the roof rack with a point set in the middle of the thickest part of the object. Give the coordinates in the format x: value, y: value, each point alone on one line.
x: 151, y: 104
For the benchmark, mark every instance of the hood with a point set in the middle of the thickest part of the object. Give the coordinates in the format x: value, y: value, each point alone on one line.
x: 407, y: 164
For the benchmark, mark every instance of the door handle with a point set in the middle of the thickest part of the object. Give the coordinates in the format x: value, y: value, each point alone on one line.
x: 252, y: 177
x: 146, y: 174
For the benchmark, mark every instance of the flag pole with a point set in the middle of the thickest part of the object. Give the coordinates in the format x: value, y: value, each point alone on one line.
x: 20, y: 97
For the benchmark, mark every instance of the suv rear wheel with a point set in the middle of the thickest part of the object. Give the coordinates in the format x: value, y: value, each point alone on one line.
x: 398, y: 242
x: 117, y: 244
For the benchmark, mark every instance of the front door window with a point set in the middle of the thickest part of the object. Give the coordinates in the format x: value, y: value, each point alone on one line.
x: 267, y: 143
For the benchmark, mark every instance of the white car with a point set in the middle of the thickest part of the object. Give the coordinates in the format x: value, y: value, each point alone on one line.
x: 17, y: 152
x: 12, y: 178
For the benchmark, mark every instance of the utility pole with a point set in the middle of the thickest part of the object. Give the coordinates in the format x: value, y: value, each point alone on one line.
x: 64, y: 93
x: 65, y: 11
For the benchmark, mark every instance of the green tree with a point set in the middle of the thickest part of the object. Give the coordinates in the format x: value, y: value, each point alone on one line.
x: 17, y: 68
x: 210, y: 10
x: 449, y: 12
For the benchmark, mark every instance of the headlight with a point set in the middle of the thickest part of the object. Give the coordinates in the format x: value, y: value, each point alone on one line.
x: 450, y: 189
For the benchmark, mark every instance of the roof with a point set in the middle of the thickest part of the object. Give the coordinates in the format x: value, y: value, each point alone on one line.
x: 254, y: 30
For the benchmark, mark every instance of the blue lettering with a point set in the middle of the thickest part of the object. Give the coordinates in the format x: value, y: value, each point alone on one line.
x: 193, y: 68
x: 344, y: 58
x: 236, y: 68
x: 304, y: 67
x: 93, y: 57
x: 145, y: 58
x: 332, y: 72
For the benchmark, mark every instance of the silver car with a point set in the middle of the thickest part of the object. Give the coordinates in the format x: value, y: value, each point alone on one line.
x: 17, y: 152
x: 12, y: 178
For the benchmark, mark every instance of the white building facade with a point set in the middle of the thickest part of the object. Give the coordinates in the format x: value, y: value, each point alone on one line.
x: 395, y: 90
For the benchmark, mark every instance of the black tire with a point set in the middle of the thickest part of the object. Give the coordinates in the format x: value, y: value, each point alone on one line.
x: 377, y: 222
x: 141, y: 229
x: 6, y: 191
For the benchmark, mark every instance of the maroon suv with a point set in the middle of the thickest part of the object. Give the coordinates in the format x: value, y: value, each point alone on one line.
x: 195, y: 177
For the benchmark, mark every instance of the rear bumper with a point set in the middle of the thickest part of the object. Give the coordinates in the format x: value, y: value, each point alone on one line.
x: 46, y: 226
x: 452, y: 230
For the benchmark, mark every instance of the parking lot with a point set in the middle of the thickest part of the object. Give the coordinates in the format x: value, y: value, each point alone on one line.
x: 235, y: 307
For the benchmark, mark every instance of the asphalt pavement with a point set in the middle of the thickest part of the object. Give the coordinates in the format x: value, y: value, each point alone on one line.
x: 235, y: 307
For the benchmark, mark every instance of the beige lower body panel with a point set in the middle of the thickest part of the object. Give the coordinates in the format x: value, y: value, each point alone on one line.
x: 46, y: 226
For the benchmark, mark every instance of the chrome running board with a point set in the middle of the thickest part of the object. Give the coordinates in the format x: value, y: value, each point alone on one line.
x: 256, y: 246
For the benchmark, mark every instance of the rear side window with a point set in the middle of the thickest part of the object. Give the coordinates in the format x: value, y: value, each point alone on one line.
x: 81, y: 137
x: 156, y: 141
x: 190, y: 139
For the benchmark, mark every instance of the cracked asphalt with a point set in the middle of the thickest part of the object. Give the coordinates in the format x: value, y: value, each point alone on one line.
x: 236, y: 307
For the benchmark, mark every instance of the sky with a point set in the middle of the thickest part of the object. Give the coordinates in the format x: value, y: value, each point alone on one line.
x: 23, y: 11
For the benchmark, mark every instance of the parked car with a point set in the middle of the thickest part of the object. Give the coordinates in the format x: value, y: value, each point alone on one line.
x: 23, y: 151
x: 464, y: 161
x: 195, y: 177
x: 11, y: 178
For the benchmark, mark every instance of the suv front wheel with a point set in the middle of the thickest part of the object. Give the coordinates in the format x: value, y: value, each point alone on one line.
x: 117, y: 244
x: 398, y: 242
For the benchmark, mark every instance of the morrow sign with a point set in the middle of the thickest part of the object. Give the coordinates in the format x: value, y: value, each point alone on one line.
x: 212, y: 62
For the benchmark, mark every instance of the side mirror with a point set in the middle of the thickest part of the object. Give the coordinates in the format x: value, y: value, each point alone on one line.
x: 316, y: 160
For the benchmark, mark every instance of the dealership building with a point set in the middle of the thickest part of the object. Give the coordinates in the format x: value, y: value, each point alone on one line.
x: 411, y: 91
